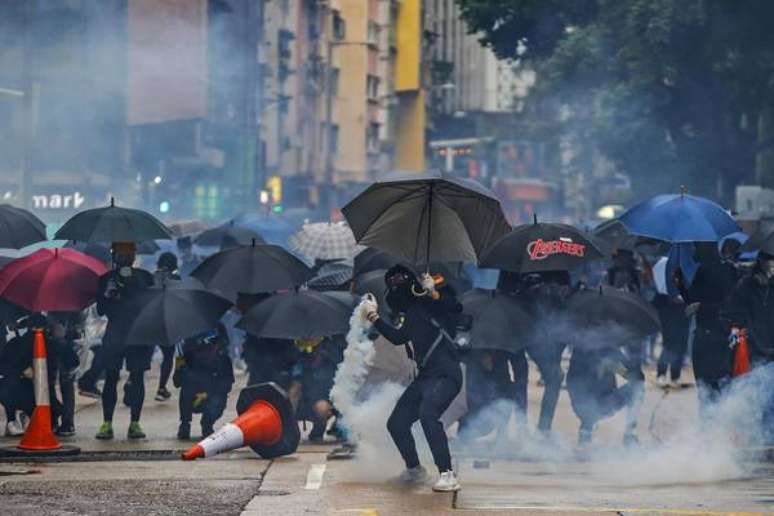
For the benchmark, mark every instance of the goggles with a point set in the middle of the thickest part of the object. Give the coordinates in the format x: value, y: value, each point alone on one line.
x: 399, y: 278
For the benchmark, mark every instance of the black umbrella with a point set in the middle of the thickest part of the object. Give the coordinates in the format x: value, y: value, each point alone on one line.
x: 612, y: 235
x: 252, y: 269
x: 302, y: 314
x: 113, y: 224
x: 499, y: 322
x: 167, y: 313
x: 606, y: 316
x: 229, y: 233
x: 331, y: 276
x: 372, y: 259
x: 19, y: 228
x: 540, y: 247
x: 761, y: 240
x: 427, y: 218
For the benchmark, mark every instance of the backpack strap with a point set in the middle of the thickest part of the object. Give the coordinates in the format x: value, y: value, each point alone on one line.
x: 442, y: 333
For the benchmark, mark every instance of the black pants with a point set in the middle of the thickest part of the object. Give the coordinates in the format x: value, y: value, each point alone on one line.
x: 67, y: 388
x: 521, y: 381
x: 137, y: 360
x: 673, y: 355
x: 548, y: 358
x: 168, y: 362
x: 193, y: 383
x: 712, y: 362
x: 426, y: 399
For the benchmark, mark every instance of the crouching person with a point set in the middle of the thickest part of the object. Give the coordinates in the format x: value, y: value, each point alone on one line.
x: 204, y: 375
x: 594, y: 391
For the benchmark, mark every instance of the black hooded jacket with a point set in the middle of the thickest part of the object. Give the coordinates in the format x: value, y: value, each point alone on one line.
x: 417, y: 327
x: 752, y: 306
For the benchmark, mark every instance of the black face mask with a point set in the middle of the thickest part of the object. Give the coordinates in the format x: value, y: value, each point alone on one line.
x: 398, y: 297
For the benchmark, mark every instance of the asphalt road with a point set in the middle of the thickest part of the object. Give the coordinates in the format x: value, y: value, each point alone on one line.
x: 523, y: 475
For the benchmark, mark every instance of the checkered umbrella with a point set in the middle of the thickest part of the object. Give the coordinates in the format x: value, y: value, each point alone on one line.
x: 325, y: 241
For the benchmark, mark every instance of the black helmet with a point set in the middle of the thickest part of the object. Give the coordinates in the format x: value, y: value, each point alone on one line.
x: 167, y: 261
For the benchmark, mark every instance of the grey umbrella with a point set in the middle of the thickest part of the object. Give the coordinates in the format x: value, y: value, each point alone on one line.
x: 499, y: 322
x: 427, y: 217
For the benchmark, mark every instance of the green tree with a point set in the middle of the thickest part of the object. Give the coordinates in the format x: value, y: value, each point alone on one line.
x: 674, y: 91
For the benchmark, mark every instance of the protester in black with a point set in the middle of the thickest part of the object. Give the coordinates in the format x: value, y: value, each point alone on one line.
x: 623, y: 274
x: 319, y: 359
x: 594, y: 391
x: 166, y: 270
x: 65, y: 328
x: 674, y: 332
x: 712, y: 285
x: 204, y: 374
x: 425, y: 316
x: 115, y: 286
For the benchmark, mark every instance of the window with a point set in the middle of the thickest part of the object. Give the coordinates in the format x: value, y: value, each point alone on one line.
x: 372, y: 87
x: 372, y: 139
x: 373, y: 33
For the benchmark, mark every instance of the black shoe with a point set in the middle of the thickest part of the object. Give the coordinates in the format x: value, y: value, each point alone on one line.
x: 65, y: 431
x: 163, y: 394
x: 184, y: 432
x: 207, y: 430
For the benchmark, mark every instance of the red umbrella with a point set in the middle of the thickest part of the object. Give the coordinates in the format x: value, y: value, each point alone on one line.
x: 52, y: 280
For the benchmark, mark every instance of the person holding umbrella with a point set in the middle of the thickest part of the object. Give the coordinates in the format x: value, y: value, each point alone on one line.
x: 115, y: 286
x: 706, y: 298
x: 425, y: 314
x: 166, y: 270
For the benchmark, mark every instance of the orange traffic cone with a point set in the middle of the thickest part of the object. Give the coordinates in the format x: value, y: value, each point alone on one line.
x: 741, y: 355
x: 39, y: 435
x: 266, y: 423
x: 39, y: 439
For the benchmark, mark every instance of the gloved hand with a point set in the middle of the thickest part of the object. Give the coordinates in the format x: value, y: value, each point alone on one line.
x: 428, y: 282
x: 370, y: 308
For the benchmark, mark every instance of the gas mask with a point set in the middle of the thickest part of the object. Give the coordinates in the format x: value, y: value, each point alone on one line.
x: 123, y: 264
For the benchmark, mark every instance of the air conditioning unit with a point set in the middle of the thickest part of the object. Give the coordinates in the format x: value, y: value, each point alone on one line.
x: 754, y: 202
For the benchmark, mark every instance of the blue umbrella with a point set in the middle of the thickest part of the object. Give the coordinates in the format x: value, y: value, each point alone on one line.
x: 679, y: 218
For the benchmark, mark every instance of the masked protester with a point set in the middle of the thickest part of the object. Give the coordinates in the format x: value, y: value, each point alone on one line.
x: 543, y: 295
x: 166, y: 269
x: 490, y: 394
x: 204, y: 374
x: 424, y: 314
x: 594, y: 391
x: 115, y: 286
x: 752, y: 307
x: 319, y: 359
x: 705, y: 298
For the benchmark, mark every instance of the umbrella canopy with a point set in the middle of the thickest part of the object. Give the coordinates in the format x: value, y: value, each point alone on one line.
x: 331, y: 276
x: 252, y: 269
x: 679, y: 218
x: 52, y: 280
x: 187, y: 227
x: 167, y: 313
x: 273, y: 228
x: 302, y: 314
x: 372, y: 259
x: 113, y: 224
x: 498, y: 321
x: 427, y: 218
x: 325, y: 241
x: 761, y: 240
x: 228, y: 232
x: 617, y: 315
x: 540, y: 247
x: 373, y: 283
x: 19, y: 228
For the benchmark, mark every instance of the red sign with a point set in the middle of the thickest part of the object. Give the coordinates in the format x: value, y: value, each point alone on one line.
x: 541, y: 249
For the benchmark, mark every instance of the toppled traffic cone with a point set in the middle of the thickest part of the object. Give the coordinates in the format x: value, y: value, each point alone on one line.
x: 741, y: 355
x: 266, y: 423
x: 39, y: 438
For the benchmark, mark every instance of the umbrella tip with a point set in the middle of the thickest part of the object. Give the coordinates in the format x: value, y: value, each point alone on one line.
x: 683, y: 190
x: 253, y: 242
x: 534, y: 218
x: 112, y: 201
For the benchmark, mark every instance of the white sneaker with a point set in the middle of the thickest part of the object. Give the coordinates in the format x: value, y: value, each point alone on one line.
x: 662, y: 382
x: 415, y: 475
x: 447, y: 483
x: 13, y: 429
